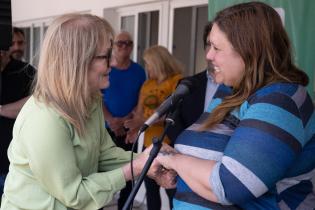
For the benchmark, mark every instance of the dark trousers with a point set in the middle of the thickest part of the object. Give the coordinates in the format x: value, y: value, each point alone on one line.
x: 153, y: 194
x: 124, y: 193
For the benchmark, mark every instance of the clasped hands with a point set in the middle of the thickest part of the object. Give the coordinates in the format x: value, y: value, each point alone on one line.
x: 162, y: 174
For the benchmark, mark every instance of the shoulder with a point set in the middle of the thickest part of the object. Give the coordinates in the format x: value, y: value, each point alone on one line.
x: 222, y: 91
x: 149, y: 83
x: 280, y: 94
x: 198, y: 77
x: 177, y: 76
x: 138, y: 69
x: 22, y: 67
x: 285, y: 97
x: 40, y: 117
x: 136, y: 66
x: 200, y: 74
x: 287, y: 89
x: 174, y: 79
x: 199, y: 81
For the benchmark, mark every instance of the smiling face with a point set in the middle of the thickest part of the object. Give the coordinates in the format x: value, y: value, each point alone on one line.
x: 123, y: 46
x: 98, y: 74
x: 228, y: 65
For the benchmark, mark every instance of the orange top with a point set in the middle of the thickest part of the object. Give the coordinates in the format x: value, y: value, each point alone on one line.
x: 151, y: 96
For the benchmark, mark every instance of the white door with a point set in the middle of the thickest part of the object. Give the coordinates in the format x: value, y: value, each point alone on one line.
x: 143, y: 22
x: 186, y: 31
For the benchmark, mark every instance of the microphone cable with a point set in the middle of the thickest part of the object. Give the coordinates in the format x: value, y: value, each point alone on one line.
x: 131, y: 164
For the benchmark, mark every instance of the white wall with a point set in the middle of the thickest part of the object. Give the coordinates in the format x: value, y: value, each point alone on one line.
x: 37, y: 14
x: 25, y: 11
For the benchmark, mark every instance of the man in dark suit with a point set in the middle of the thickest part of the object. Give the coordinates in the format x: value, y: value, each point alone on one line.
x: 194, y: 104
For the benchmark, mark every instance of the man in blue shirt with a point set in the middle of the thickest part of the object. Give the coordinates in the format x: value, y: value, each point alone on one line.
x: 121, y: 97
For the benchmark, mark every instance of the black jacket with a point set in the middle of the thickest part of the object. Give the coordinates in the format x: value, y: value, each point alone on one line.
x: 191, y: 107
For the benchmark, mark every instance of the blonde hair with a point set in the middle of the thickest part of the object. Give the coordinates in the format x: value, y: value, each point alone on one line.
x: 70, y: 43
x: 162, y: 62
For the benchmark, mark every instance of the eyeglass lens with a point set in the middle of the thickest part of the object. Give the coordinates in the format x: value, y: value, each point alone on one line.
x: 121, y: 43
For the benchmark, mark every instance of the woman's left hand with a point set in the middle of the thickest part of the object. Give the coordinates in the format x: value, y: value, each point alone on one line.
x: 165, y: 178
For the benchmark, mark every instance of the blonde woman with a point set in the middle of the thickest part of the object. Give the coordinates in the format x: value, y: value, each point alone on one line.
x: 61, y: 156
x: 164, y: 71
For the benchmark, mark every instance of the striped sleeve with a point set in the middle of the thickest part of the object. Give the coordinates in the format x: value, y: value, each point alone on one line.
x: 264, y: 145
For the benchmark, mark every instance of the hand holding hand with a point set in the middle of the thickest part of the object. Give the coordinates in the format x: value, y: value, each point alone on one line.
x: 165, y: 178
x: 131, y: 136
x: 166, y: 157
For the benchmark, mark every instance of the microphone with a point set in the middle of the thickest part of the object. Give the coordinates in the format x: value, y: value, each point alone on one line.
x: 183, y: 88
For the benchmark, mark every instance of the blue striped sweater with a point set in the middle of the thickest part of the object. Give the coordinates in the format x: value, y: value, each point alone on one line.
x: 265, y: 152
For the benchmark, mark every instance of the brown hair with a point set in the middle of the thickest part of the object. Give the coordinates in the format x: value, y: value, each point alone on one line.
x: 70, y: 44
x: 256, y: 32
x: 205, y: 34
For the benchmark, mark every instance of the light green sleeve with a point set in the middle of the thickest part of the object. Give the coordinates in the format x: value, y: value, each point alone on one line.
x: 48, y: 146
x: 111, y: 156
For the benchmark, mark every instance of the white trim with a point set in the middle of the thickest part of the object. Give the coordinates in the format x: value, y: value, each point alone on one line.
x: 135, y: 38
x: 171, y: 30
x: 179, y: 4
x: 145, y: 7
x: 164, y: 22
x: 36, y: 22
x: 41, y: 37
x: 31, y: 43
x: 187, y: 3
x: 119, y: 23
x: 134, y: 10
x: 193, y: 42
x: 147, y: 31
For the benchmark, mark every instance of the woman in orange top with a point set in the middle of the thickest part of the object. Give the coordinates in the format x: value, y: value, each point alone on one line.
x: 164, y: 72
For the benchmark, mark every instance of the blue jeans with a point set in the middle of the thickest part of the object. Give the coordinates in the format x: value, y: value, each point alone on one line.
x: 2, y: 179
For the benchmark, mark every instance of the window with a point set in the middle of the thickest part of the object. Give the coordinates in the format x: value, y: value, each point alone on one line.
x: 188, y: 26
x: 34, y: 36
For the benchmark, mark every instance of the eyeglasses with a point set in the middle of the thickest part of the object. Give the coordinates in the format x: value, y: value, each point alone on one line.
x: 107, y: 56
x: 121, y: 43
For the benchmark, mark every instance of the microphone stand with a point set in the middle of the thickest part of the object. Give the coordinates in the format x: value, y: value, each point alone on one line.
x: 157, y: 144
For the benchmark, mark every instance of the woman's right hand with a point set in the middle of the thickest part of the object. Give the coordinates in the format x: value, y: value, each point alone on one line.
x: 163, y: 177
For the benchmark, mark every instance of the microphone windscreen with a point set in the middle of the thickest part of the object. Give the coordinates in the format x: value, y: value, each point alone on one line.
x: 189, y: 82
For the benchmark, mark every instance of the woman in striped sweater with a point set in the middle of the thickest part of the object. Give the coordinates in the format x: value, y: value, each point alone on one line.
x: 256, y: 148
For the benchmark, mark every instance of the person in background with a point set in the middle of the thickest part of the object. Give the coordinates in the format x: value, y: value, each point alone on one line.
x: 17, y: 48
x: 164, y: 71
x: 16, y: 78
x: 203, y: 90
x: 120, y: 98
x: 256, y: 149
x: 61, y: 155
